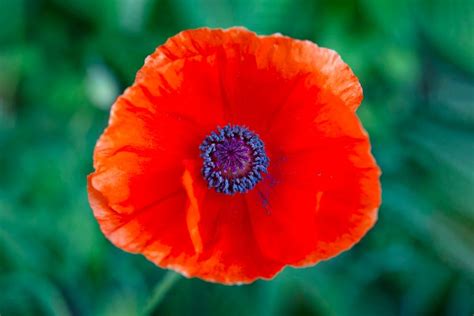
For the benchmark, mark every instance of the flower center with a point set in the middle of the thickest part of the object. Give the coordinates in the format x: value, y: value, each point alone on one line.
x: 234, y: 159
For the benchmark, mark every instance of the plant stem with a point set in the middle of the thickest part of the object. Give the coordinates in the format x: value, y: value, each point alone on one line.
x: 159, y: 292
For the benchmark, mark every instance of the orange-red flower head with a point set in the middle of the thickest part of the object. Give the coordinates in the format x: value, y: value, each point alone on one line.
x: 233, y: 155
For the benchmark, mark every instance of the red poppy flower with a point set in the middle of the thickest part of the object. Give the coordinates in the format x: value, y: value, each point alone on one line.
x: 233, y: 155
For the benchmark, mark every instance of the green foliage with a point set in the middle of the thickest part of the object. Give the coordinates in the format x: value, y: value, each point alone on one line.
x: 62, y: 63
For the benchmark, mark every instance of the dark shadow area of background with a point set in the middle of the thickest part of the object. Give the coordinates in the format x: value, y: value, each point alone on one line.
x: 62, y: 64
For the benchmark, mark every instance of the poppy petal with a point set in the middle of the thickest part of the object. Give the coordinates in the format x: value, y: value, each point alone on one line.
x: 189, y: 88
x: 283, y: 219
x: 214, y: 220
x: 322, y: 192
x: 157, y: 226
x: 137, y: 149
x: 256, y: 73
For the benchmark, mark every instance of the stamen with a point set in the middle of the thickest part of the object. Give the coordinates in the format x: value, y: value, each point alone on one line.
x: 234, y: 159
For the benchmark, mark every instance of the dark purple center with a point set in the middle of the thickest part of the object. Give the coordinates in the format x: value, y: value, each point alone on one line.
x: 234, y: 159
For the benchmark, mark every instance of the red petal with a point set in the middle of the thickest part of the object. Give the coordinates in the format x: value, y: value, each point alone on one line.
x: 139, y: 157
x: 157, y: 227
x: 283, y: 219
x: 323, y: 190
x: 255, y: 74
x: 223, y: 237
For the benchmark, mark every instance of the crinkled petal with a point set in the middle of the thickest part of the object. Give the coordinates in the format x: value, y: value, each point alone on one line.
x: 222, y: 236
x: 322, y: 192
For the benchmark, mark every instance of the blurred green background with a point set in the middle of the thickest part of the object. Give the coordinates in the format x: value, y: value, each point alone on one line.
x: 62, y: 63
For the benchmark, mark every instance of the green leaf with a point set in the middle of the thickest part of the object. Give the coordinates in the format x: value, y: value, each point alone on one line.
x: 449, y: 26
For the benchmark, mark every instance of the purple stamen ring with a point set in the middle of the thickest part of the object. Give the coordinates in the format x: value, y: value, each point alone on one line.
x: 234, y: 159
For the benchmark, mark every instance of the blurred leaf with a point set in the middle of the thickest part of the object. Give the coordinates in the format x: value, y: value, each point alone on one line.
x: 45, y: 296
x: 448, y: 152
x: 438, y: 235
x: 461, y: 302
x: 101, y: 86
x: 447, y: 145
x: 450, y: 97
x: 121, y: 304
x: 262, y: 16
x: 12, y: 15
x: 394, y: 17
x: 125, y: 53
x: 450, y: 28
